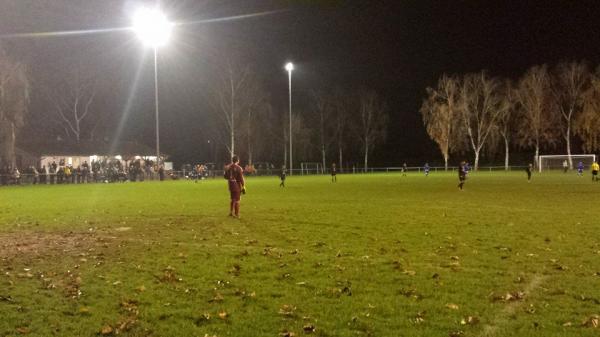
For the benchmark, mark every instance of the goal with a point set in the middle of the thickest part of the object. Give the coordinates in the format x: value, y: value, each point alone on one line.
x: 311, y: 168
x: 556, y: 162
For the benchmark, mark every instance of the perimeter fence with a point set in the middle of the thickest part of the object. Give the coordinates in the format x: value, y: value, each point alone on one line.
x: 57, y: 179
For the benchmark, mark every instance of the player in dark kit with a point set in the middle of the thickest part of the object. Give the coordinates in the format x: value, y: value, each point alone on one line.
x: 282, y: 176
x: 462, y: 174
x: 235, y: 179
x: 333, y: 173
x: 529, y: 169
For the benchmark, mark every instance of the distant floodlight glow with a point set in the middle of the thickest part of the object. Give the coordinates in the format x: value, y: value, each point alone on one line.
x: 289, y: 66
x: 152, y: 27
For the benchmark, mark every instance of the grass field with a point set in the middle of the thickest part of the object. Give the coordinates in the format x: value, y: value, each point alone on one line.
x: 374, y: 255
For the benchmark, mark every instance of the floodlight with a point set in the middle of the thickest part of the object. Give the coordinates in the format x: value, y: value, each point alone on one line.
x: 152, y: 27
x: 289, y: 66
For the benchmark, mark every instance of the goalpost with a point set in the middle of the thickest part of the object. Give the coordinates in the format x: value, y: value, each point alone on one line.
x: 556, y: 162
x: 311, y: 168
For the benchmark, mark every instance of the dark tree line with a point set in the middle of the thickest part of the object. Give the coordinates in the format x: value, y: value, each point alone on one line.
x: 333, y: 122
x: 547, y: 108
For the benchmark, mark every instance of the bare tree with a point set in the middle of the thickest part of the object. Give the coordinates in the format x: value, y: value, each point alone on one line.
x: 14, y: 102
x: 372, y: 123
x: 72, y: 101
x: 229, y: 98
x: 323, y: 109
x: 506, y: 119
x: 587, y: 124
x: 481, y: 104
x: 537, y: 125
x: 440, y: 111
x: 341, y: 112
x: 569, y: 83
x: 255, y: 103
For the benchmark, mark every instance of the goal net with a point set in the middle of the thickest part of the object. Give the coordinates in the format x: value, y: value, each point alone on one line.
x: 558, y: 162
x: 311, y: 168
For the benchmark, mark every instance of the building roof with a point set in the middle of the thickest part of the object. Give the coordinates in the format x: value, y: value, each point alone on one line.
x: 88, y: 148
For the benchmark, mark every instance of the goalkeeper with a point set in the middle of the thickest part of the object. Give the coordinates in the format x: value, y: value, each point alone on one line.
x: 595, y: 169
x: 235, y: 179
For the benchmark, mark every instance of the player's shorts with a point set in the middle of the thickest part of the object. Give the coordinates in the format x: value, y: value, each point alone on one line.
x: 462, y: 178
x: 234, y: 190
x: 594, y: 173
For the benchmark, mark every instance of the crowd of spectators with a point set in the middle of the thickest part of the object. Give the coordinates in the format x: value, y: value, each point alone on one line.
x: 107, y: 171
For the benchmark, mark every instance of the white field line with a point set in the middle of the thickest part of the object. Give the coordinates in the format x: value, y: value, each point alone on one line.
x: 490, y: 330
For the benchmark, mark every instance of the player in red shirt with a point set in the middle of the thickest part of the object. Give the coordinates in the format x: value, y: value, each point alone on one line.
x: 235, y: 179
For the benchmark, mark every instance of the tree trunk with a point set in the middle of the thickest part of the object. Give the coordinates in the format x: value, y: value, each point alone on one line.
x: 536, y: 157
x: 445, y: 162
x: 324, y: 159
x: 249, y: 142
x: 232, y: 134
x: 568, y: 139
x: 366, y: 156
x: 506, y: 153
x: 476, y: 164
x: 340, y: 165
x: 7, y: 144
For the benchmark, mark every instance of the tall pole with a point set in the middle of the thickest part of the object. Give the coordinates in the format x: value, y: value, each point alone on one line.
x: 290, y: 109
x: 156, y: 105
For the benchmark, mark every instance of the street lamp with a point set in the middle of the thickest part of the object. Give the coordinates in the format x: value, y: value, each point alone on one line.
x: 290, y: 67
x: 154, y: 30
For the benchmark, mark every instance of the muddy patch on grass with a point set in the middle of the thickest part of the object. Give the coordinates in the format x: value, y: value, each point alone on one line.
x: 31, y: 244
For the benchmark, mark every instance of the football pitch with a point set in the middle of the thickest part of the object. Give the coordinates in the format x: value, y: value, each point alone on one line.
x: 370, y: 255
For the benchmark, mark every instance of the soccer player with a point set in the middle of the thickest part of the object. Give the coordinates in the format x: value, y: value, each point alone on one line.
x: 595, y: 169
x: 565, y: 166
x: 426, y: 169
x: 404, y: 169
x: 235, y: 179
x: 529, y: 169
x: 282, y: 176
x: 580, y: 169
x: 333, y: 173
x: 462, y: 174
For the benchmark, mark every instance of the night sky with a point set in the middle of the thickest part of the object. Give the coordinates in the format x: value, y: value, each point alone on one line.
x: 396, y: 47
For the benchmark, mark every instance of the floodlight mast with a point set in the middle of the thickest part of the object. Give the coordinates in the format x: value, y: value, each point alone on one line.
x: 154, y: 30
x: 290, y: 67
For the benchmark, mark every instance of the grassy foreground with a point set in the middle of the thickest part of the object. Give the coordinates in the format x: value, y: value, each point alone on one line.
x: 373, y: 255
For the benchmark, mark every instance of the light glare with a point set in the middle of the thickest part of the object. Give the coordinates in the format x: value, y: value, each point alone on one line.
x: 289, y: 66
x: 152, y: 27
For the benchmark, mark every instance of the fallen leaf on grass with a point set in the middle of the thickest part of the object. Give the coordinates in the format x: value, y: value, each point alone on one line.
x: 567, y: 324
x: 169, y: 275
x: 309, y: 328
x: 287, y: 334
x: 419, y: 318
x: 125, y: 325
x: 452, y: 306
x: 287, y: 310
x: 509, y: 297
x: 470, y: 320
x: 223, y: 315
x: 203, y: 319
x: 592, y: 322
x: 456, y: 333
x: 217, y: 298
x: 235, y: 269
x: 106, y: 330
x: 23, y: 330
